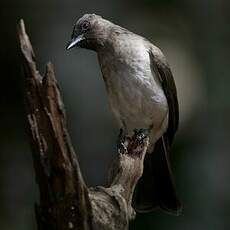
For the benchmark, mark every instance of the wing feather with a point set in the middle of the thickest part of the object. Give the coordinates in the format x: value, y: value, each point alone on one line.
x: 161, y: 68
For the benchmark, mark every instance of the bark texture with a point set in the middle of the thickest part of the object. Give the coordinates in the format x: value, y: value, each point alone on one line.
x: 65, y: 200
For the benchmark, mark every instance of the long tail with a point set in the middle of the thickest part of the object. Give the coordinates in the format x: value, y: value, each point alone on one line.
x: 156, y: 188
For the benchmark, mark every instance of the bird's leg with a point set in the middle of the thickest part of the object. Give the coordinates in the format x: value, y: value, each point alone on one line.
x: 141, y: 133
x: 122, y: 142
x: 125, y: 143
x: 137, y: 140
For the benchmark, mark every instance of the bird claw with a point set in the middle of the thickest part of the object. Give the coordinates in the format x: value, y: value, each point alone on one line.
x: 125, y: 142
x: 122, y: 149
x: 141, y: 134
x: 122, y: 142
x: 137, y: 143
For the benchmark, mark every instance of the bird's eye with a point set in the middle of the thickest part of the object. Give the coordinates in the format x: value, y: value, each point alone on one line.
x: 85, y: 25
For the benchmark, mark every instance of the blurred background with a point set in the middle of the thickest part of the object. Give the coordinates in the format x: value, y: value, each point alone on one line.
x: 193, y: 34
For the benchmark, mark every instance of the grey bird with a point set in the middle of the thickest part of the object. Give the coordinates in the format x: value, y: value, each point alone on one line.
x: 142, y: 95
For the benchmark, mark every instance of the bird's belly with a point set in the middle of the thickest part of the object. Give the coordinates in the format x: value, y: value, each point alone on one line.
x: 137, y: 102
x: 134, y: 91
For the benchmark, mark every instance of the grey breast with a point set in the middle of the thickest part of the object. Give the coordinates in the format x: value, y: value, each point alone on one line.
x: 135, y: 94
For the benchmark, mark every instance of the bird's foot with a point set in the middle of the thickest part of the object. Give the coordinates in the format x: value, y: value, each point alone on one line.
x: 122, y: 142
x: 138, y: 141
x: 141, y: 134
x: 131, y: 145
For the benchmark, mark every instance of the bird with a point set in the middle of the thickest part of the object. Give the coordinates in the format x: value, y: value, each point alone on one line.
x: 142, y: 95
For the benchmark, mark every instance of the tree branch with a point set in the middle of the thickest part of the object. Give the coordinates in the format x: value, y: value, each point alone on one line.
x: 65, y: 201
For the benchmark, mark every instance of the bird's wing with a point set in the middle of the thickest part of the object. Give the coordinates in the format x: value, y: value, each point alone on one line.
x: 162, y: 70
x: 160, y: 190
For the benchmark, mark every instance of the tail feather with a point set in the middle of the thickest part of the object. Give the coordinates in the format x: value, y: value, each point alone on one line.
x: 156, y: 188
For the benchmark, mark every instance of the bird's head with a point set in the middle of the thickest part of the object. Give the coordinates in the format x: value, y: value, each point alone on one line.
x: 90, y: 31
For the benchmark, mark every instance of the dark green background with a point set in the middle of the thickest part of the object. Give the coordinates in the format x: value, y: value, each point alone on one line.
x: 193, y: 34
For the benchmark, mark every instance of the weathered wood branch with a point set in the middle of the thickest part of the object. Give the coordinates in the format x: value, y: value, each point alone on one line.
x: 65, y: 201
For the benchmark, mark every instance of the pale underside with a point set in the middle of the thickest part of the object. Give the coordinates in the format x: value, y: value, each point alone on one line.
x: 135, y: 94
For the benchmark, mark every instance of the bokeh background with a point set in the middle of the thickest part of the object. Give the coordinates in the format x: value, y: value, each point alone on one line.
x: 193, y: 34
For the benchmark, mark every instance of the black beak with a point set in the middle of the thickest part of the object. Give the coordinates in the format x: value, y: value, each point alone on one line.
x: 74, y: 41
